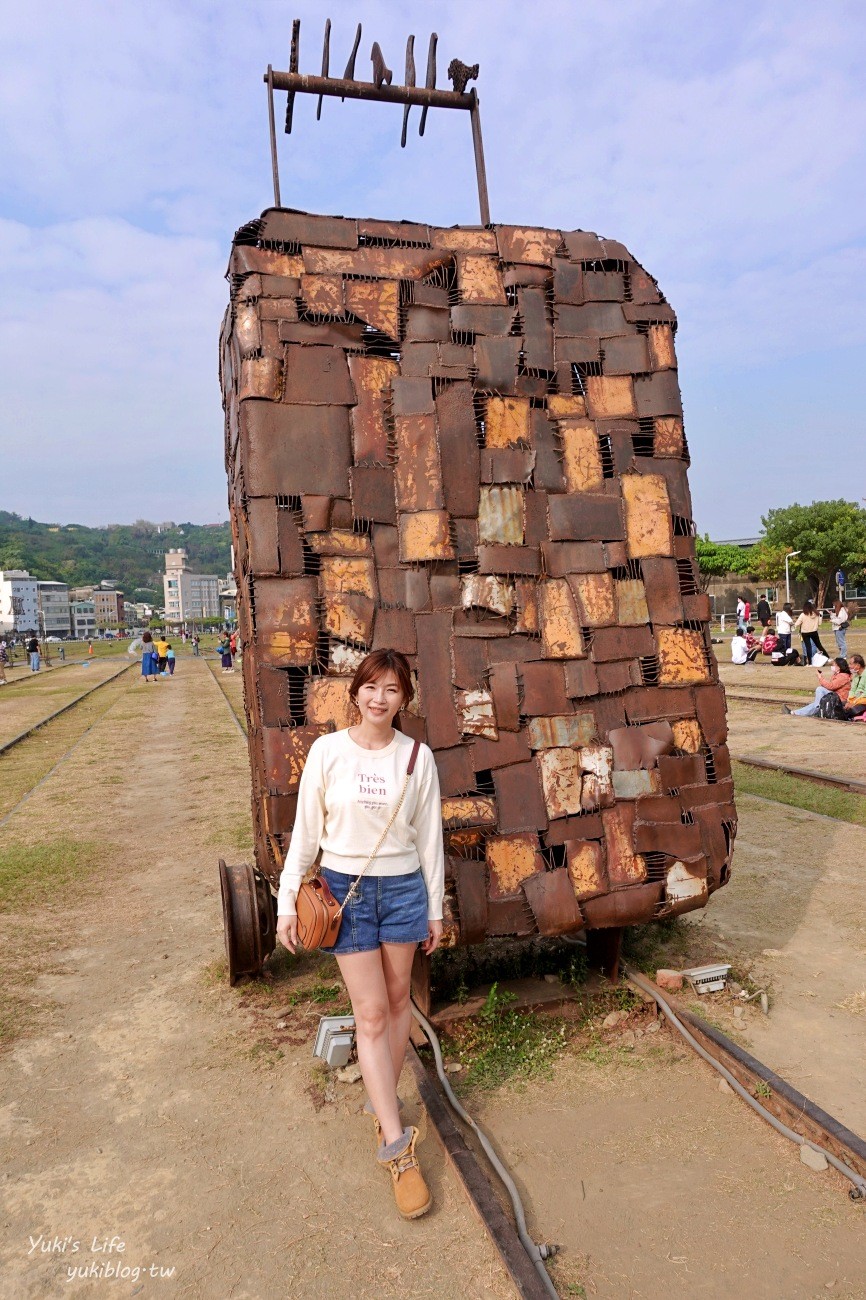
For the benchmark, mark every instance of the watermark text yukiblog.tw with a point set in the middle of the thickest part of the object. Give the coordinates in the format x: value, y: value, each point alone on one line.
x: 100, y: 1257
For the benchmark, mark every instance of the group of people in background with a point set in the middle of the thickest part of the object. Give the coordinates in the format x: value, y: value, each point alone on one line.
x: 840, y: 690
x: 775, y: 642
x: 157, y: 658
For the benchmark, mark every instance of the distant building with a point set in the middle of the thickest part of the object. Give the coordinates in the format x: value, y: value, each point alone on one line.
x: 19, y: 602
x: 54, y: 612
x: 108, y: 605
x: 83, y: 617
x: 189, y: 597
x: 228, y: 591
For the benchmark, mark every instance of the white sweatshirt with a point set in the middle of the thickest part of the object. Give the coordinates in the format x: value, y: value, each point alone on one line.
x: 346, y: 796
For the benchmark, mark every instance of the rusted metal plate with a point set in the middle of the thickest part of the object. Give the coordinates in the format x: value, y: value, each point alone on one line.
x: 377, y: 263
x: 529, y: 244
x: 327, y: 702
x: 609, y: 397
x: 263, y: 543
x: 473, y: 239
x: 395, y: 630
x: 594, y: 593
x: 469, y: 663
x: 511, y: 747
x: 679, y: 770
x: 434, y: 673
x: 585, y: 864
x: 445, y: 590
x: 506, y: 465
x: 430, y: 324
x: 537, y: 328
x: 562, y: 558
x: 687, y: 735
x: 518, y: 798
x: 657, y: 394
x: 624, y: 866
x: 554, y: 905
x: 668, y: 437
x: 496, y: 359
x: 682, y: 656
x: 575, y: 781
x: 662, y: 587
x: 305, y: 447
x: 622, y: 643
x: 459, y: 452
x: 543, y: 687
x: 323, y: 293
x: 417, y: 477
x: 618, y: 676
x: 626, y: 354
x: 500, y: 515
x: 425, y: 535
x: 633, y: 906
x: 479, y: 280
x: 510, y: 916
x: 581, y: 679
x: 479, y: 810
x: 581, y: 456
x: 373, y: 493
x: 487, y: 592
x: 512, y: 859
x: 371, y: 377
x: 455, y: 770
x: 476, y: 713
x: 585, y: 516
x: 647, y: 515
x: 339, y: 541
x: 560, y: 623
x: 261, y: 377
x: 631, y: 603
x: 285, y: 751
x: 482, y: 319
x: 634, y: 785
x: 471, y: 880
x: 506, y: 422
x: 686, y: 886
x: 562, y: 729
x: 509, y: 559
x: 286, y: 625
x: 504, y: 688
x: 317, y: 376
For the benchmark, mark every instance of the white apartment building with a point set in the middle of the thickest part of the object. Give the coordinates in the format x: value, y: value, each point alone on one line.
x: 54, y: 614
x: 19, y: 602
x: 189, y: 597
x: 83, y: 616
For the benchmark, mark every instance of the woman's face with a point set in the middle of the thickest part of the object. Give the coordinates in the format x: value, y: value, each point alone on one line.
x: 380, y: 699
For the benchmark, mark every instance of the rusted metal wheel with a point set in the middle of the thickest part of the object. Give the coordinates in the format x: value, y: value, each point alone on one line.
x: 248, y: 919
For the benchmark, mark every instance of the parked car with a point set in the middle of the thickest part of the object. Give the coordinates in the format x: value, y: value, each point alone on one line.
x: 54, y: 638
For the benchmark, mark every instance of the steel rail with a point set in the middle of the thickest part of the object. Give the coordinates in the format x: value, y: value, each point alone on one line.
x: 24, y: 735
x: 231, y: 708
x: 769, y: 699
x: 804, y: 773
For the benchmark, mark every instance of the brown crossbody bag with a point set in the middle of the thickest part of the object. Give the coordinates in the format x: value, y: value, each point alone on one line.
x: 319, y: 913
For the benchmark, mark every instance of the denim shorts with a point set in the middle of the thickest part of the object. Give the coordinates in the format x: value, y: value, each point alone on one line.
x: 385, y: 909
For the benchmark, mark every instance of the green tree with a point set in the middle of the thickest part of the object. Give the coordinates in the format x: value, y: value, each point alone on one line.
x: 716, y: 560
x: 828, y: 534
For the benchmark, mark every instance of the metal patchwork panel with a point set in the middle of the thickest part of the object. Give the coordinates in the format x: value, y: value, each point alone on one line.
x: 468, y: 444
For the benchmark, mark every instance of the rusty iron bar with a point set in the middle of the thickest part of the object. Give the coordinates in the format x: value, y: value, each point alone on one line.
x: 425, y: 96
x: 803, y: 774
x: 275, y: 166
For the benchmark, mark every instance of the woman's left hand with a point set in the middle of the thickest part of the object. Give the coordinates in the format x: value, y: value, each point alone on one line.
x: 434, y: 936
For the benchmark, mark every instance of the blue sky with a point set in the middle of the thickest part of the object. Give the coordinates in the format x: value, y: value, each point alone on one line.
x: 724, y: 144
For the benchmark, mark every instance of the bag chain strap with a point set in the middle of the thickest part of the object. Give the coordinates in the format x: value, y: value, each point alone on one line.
x: 354, y: 886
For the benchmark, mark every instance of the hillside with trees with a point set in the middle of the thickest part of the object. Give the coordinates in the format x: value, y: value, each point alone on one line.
x: 130, y: 554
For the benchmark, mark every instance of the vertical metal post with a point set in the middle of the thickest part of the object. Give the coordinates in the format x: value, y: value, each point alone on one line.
x: 478, y: 145
x: 275, y: 167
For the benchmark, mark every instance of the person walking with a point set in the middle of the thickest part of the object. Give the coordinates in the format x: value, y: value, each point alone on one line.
x: 808, y: 622
x: 839, y: 682
x: 169, y: 660
x: 195, y: 645
x: 148, y: 657
x: 764, y: 612
x: 741, y: 615
x: 785, y: 626
x: 358, y: 786
x: 840, y: 623
x: 162, y: 653
x: 33, y: 649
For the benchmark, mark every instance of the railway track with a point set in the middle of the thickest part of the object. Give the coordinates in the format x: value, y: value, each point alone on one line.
x: 239, y: 721
x: 803, y: 773
x: 71, y: 704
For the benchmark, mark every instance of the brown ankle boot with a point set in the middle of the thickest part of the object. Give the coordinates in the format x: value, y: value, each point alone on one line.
x: 410, y: 1191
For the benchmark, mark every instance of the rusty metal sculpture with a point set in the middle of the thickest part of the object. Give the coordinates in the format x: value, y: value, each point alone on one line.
x: 468, y: 444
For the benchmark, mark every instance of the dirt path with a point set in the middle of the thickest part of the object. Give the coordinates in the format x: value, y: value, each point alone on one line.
x: 763, y: 731
x: 143, y: 1108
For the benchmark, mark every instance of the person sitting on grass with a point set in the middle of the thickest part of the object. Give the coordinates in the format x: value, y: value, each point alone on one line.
x: 839, y: 683
x: 739, y: 648
x: 769, y: 641
x: 855, y: 706
x: 753, y: 645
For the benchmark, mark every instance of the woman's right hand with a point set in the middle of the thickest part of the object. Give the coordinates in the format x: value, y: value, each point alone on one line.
x: 287, y: 932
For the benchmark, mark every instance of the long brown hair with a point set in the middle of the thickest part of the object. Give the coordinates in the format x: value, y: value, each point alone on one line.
x: 375, y: 665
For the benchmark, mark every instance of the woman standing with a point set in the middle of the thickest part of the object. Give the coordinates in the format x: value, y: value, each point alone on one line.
x: 785, y: 626
x: 149, y: 664
x: 839, y: 624
x: 350, y: 787
x: 808, y: 623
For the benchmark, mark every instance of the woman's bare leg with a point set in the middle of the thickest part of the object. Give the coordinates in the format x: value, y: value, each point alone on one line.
x: 364, y: 975
x: 397, y: 961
